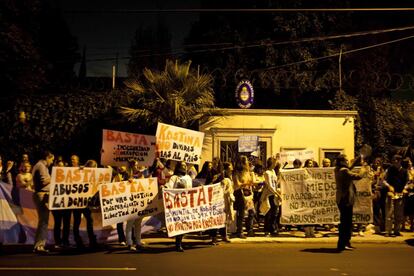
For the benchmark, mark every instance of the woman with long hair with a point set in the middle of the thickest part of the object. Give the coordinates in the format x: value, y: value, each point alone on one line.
x: 243, y: 181
x: 180, y: 180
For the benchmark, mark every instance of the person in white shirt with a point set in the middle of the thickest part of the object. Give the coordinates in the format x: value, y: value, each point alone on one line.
x: 180, y: 180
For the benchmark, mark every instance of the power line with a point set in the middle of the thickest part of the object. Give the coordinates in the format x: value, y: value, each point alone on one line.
x: 337, y: 54
x: 151, y: 11
x: 261, y: 44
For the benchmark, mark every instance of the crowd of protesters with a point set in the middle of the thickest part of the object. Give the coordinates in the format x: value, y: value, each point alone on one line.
x: 252, y: 196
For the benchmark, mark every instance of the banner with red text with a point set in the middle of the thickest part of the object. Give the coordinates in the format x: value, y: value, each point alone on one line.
x: 179, y: 144
x: 194, y: 209
x: 127, y: 200
x: 74, y: 187
x: 118, y: 147
x: 309, y: 197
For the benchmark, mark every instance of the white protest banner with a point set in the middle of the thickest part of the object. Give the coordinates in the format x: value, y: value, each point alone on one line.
x: 179, y: 144
x: 194, y: 209
x: 248, y: 143
x: 74, y: 187
x: 126, y: 200
x: 362, y: 211
x: 302, y: 155
x: 309, y: 197
x: 118, y: 147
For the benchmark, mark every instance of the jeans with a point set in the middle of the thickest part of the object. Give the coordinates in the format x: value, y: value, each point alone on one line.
x: 378, y: 206
x: 40, y: 200
x: 120, y: 231
x: 77, y: 216
x: 61, y: 236
x: 270, y: 221
x: 240, y: 209
x: 394, y: 214
x: 179, y: 241
x: 136, y: 224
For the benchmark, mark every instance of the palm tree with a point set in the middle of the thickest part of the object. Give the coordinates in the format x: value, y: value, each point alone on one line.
x: 179, y: 96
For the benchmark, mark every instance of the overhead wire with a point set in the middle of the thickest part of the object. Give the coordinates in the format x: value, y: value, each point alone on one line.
x: 233, y: 10
x: 343, y: 53
x: 257, y: 44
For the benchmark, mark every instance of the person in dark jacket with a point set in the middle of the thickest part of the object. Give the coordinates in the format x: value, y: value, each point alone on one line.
x: 345, y: 199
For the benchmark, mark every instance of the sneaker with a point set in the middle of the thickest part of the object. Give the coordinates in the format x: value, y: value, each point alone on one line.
x: 57, y: 247
x: 40, y: 250
x: 397, y: 234
x: 132, y: 248
x: 122, y: 243
x: 214, y: 241
x: 179, y: 249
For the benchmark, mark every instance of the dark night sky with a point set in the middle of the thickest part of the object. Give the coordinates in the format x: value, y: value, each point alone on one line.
x: 108, y: 33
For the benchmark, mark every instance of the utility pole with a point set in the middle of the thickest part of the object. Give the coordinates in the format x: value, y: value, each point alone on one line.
x: 340, y: 69
x: 115, y: 71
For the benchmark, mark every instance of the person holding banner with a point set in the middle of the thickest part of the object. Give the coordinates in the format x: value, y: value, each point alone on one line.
x: 86, y: 212
x: 167, y: 172
x: 345, y: 199
x: 180, y: 180
x: 41, y: 181
x: 62, y: 220
x: 243, y: 182
x: 309, y: 229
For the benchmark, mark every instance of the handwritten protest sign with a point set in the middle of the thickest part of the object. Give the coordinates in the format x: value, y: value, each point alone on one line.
x: 194, y: 209
x: 362, y: 211
x: 179, y: 144
x: 118, y: 147
x: 309, y: 197
x: 126, y: 200
x: 302, y: 155
x: 74, y: 187
x: 248, y: 143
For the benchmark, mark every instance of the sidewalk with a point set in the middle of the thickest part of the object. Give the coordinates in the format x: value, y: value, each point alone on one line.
x: 294, y: 237
x: 194, y: 239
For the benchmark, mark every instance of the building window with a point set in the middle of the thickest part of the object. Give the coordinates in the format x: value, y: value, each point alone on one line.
x: 330, y: 153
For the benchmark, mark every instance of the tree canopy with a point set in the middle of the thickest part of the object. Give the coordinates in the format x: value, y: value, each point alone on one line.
x: 178, y: 95
x: 37, y: 49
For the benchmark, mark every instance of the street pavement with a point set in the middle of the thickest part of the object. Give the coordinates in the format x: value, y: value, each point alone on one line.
x: 158, y: 257
x: 287, y: 254
x: 285, y: 237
